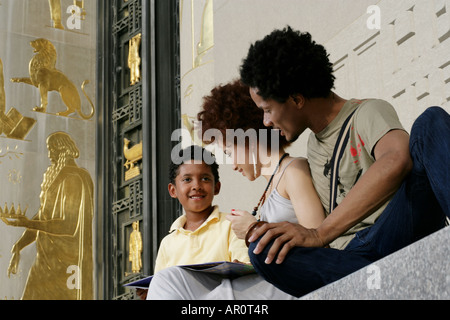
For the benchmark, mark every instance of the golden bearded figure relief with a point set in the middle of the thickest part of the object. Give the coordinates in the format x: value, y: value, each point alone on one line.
x: 61, y: 229
x: 45, y: 77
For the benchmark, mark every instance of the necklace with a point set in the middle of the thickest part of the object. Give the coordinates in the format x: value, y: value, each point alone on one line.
x: 263, y: 197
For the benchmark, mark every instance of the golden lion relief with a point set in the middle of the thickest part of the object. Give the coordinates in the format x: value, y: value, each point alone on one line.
x: 45, y: 76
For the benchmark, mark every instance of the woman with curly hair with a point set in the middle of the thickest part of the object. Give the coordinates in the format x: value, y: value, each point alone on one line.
x: 290, y: 194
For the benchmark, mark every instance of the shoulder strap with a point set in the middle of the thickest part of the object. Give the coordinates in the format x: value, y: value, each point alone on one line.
x: 282, y: 173
x: 336, y: 158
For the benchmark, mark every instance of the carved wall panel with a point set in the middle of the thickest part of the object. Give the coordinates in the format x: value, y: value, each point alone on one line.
x: 47, y: 149
x: 404, y: 60
x: 141, y: 97
x: 197, y: 59
x: 126, y: 136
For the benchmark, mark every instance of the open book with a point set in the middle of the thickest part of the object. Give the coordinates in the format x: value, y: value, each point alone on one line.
x: 224, y: 269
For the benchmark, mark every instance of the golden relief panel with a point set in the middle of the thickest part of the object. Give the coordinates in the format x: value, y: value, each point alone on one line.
x: 61, y: 229
x: 55, y: 13
x: 10, y: 153
x: 197, y: 43
x: 77, y: 13
x: 133, y: 155
x: 134, y: 59
x: 45, y: 77
x: 12, y: 124
x: 50, y: 241
x: 206, y: 34
x: 135, y: 247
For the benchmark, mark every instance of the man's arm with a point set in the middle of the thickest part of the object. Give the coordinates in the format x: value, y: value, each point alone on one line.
x: 392, y: 164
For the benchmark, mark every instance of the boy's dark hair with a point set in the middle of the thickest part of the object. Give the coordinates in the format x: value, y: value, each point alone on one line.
x: 286, y: 63
x: 193, y: 152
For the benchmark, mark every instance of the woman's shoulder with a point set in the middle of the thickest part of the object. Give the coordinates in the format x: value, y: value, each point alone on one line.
x: 297, y: 163
x: 297, y: 172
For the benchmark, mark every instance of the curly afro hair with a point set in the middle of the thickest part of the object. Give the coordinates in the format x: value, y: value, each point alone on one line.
x: 286, y: 63
x: 230, y: 106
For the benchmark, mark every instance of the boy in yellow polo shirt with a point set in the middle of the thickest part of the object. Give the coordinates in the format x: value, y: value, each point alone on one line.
x: 202, y: 234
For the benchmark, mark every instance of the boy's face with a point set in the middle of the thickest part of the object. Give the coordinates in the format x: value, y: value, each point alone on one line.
x: 194, y: 187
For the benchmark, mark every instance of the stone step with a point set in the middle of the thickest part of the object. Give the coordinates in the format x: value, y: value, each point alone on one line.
x: 420, y: 271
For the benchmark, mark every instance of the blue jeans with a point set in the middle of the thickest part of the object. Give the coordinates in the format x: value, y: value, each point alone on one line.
x: 418, y: 208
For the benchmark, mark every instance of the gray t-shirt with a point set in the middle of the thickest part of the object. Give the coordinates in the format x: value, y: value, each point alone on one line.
x: 373, y: 119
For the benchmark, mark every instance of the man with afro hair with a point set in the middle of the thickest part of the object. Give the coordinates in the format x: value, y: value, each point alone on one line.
x: 382, y: 188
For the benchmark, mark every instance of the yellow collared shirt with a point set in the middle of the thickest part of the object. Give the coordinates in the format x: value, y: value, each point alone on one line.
x: 212, y: 241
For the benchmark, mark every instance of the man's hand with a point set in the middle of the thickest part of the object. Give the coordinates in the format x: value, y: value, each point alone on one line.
x: 287, y: 235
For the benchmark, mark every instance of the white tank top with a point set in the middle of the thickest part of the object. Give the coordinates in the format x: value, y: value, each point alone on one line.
x: 277, y: 208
